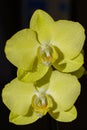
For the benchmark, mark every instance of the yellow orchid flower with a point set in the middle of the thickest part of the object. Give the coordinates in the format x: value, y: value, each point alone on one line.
x: 46, y: 42
x: 55, y: 93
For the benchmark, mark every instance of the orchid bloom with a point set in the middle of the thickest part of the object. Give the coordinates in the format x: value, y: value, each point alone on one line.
x: 46, y: 43
x: 55, y: 93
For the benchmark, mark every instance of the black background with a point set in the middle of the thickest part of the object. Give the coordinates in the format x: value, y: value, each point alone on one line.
x: 10, y: 23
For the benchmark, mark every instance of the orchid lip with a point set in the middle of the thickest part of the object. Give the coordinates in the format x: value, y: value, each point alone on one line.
x: 45, y: 52
x: 41, y: 104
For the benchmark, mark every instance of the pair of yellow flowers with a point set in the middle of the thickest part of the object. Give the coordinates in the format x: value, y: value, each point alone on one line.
x: 49, y: 59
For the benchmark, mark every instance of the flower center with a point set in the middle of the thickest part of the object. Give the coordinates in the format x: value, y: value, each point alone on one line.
x: 41, y: 104
x: 45, y: 53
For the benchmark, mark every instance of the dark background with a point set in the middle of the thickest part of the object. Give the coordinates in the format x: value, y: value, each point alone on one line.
x: 15, y: 15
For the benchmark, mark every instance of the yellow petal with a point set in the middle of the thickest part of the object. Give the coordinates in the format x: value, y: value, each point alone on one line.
x: 65, y: 116
x: 17, y: 96
x: 64, y: 88
x: 68, y: 37
x: 43, y: 84
x: 22, y: 120
x: 80, y: 72
x: 68, y: 65
x: 42, y: 23
x: 37, y: 72
x: 21, y: 48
